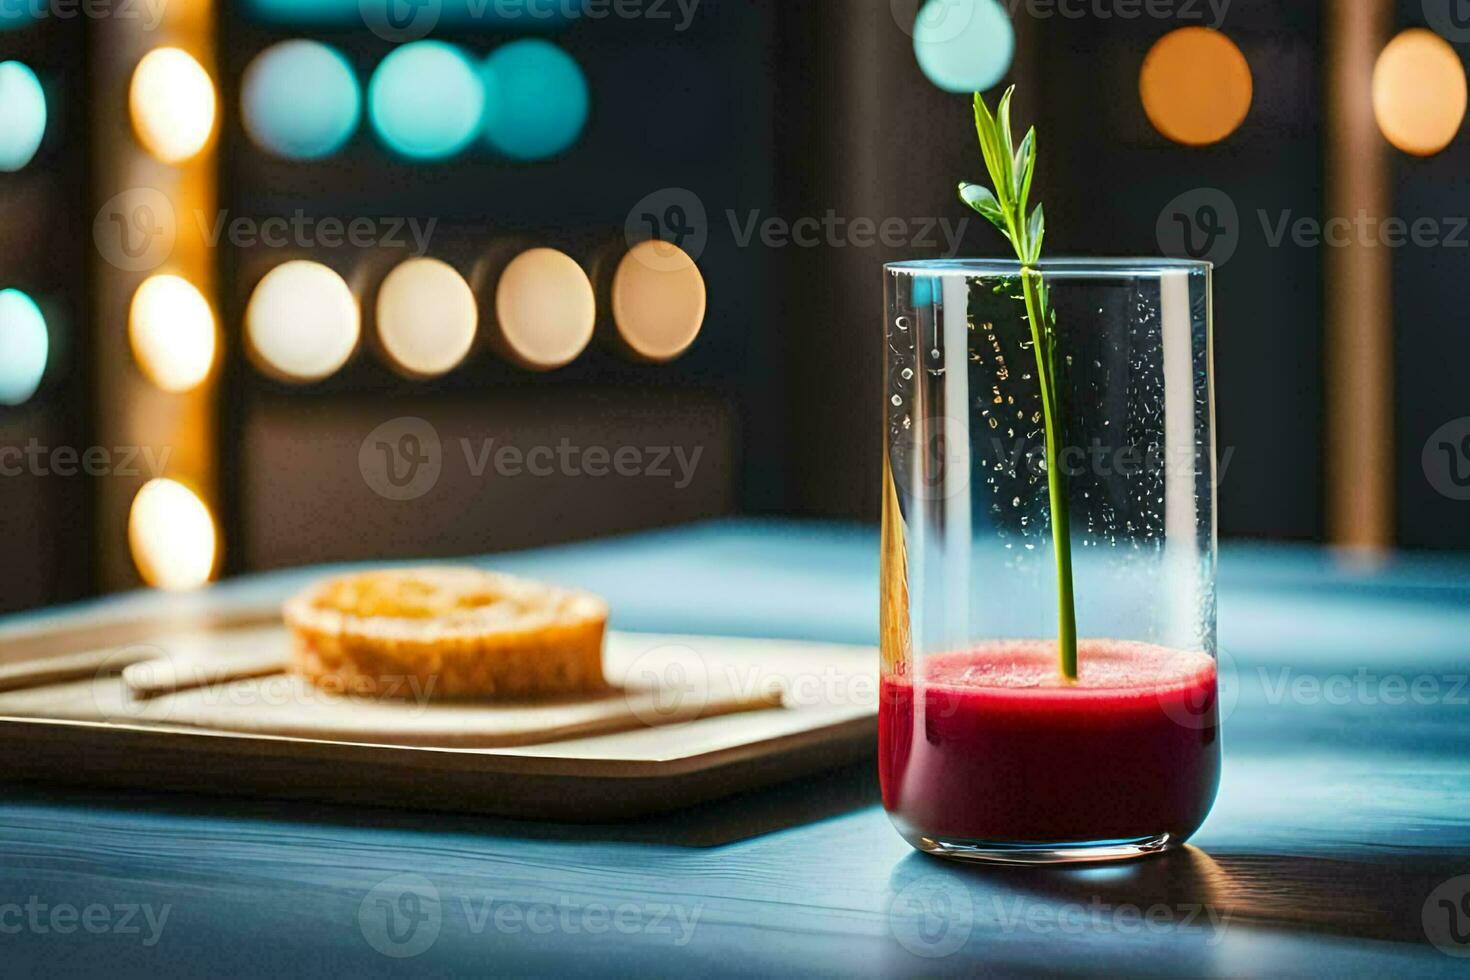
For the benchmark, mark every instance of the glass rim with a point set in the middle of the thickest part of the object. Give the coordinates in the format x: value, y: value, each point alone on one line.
x: 1062, y: 266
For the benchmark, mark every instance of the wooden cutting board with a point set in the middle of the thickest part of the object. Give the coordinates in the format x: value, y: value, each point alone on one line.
x: 691, y: 718
x: 236, y: 683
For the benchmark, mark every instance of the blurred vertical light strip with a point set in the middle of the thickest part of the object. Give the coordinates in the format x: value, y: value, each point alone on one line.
x: 1358, y: 307
x: 140, y: 194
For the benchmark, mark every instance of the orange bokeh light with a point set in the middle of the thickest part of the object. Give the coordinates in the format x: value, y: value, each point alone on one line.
x: 1419, y: 92
x: 1195, y: 86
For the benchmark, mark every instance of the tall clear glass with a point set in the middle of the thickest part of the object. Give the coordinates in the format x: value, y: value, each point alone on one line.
x: 989, y: 750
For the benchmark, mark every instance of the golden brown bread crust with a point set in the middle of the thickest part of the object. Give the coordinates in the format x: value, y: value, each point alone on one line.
x: 447, y: 633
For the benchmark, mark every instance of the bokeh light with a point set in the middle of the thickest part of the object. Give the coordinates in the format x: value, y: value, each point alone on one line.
x: 171, y: 100
x: 172, y: 332
x: 658, y: 300
x: 1419, y: 92
x: 545, y: 309
x: 302, y: 321
x: 14, y: 15
x: 964, y: 45
x: 172, y: 536
x: 22, y: 115
x: 537, y: 100
x: 426, y: 317
x: 300, y: 99
x: 1196, y: 86
x: 390, y: 14
x: 24, y: 347
x: 426, y: 100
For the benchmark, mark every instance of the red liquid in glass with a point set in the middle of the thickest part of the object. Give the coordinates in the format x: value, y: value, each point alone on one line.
x: 996, y: 747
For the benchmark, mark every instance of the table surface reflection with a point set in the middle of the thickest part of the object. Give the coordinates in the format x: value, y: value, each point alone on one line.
x: 1343, y: 817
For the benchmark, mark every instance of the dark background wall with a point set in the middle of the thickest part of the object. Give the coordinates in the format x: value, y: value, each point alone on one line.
x: 769, y: 110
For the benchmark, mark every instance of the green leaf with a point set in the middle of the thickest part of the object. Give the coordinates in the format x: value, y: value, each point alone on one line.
x: 1035, y: 232
x: 1025, y: 167
x: 1007, y: 151
x: 989, y: 143
x: 982, y: 200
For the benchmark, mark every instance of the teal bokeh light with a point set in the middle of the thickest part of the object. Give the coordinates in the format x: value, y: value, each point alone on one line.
x: 22, y: 115
x: 300, y: 99
x: 964, y: 45
x: 24, y: 347
x: 537, y: 100
x: 15, y: 14
x: 470, y: 14
x: 426, y: 100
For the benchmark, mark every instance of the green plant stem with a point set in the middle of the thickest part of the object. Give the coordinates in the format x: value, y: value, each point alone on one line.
x: 1061, y: 525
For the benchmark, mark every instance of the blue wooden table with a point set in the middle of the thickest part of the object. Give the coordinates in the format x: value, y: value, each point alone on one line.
x: 1336, y: 848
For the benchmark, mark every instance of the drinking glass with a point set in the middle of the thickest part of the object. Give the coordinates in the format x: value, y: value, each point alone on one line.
x: 988, y: 751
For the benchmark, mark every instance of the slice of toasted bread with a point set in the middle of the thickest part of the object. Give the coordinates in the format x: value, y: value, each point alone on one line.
x: 446, y: 632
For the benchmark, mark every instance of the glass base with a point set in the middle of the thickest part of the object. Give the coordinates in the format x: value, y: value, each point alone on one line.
x: 1043, y: 852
